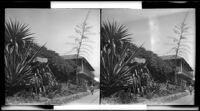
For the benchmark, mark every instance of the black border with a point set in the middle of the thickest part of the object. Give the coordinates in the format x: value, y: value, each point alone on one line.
x: 100, y: 58
x: 2, y: 16
x: 145, y: 5
x: 169, y: 4
x: 25, y: 4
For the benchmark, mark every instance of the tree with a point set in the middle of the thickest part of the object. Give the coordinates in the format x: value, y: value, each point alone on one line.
x: 82, y: 48
x: 159, y: 69
x: 60, y: 68
x: 180, y: 41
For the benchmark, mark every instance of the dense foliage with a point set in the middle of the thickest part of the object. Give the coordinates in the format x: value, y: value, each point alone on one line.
x: 61, y: 69
x: 160, y: 69
x: 22, y: 72
x: 120, y: 73
x: 18, y: 56
x: 116, y: 71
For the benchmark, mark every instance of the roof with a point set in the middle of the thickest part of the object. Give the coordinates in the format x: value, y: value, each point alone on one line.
x: 172, y: 57
x: 74, y: 56
x: 169, y: 57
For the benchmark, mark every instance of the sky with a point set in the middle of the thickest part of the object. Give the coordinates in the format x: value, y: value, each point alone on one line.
x: 56, y: 26
x: 151, y: 27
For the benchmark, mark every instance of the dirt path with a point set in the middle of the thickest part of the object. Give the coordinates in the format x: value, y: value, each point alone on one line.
x: 186, y: 100
x: 90, y: 99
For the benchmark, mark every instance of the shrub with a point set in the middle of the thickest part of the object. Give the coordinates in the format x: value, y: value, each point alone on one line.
x: 110, y: 100
x: 18, y: 56
x: 115, y: 58
x: 53, y: 90
x: 149, y: 95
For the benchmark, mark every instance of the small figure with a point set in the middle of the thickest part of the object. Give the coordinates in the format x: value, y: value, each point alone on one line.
x: 190, y: 89
x: 92, y: 89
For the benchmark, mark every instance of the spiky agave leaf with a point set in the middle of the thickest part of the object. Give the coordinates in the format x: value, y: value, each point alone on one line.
x: 22, y: 67
x: 115, y: 71
x: 114, y: 32
x: 16, y: 31
x: 17, y: 62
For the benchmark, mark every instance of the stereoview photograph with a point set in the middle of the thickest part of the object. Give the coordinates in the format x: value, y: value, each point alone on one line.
x: 147, y: 56
x: 52, y: 56
x: 90, y: 57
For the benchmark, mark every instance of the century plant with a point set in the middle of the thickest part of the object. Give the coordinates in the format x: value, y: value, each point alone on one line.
x: 180, y: 41
x: 17, y: 63
x: 17, y: 35
x: 114, y: 32
x: 114, y: 59
x: 82, y: 47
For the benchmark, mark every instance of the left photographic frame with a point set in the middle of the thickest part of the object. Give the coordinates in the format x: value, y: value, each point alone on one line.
x: 52, y: 56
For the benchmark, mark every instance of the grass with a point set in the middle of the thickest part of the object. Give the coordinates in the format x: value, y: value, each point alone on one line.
x: 66, y: 99
x: 120, y: 97
x: 156, y: 99
x: 19, y: 100
x: 143, y: 100
x: 163, y: 100
x: 41, y: 100
x: 62, y: 96
x: 110, y: 100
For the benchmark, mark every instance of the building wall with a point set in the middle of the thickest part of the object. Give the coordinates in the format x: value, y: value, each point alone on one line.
x: 85, y: 75
x: 86, y: 70
x: 180, y: 66
x: 182, y: 71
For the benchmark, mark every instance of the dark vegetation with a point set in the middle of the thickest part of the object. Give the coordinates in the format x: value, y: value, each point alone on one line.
x: 29, y: 80
x: 125, y: 79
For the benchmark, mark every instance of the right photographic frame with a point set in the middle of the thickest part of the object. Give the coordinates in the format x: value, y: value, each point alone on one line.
x: 147, y: 56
